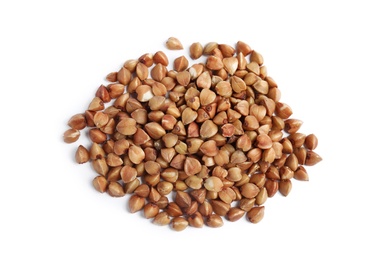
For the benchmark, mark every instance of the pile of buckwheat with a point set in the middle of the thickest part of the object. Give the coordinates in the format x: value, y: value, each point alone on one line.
x: 214, y: 137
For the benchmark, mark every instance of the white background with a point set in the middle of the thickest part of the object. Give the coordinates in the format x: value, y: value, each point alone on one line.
x: 330, y: 59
